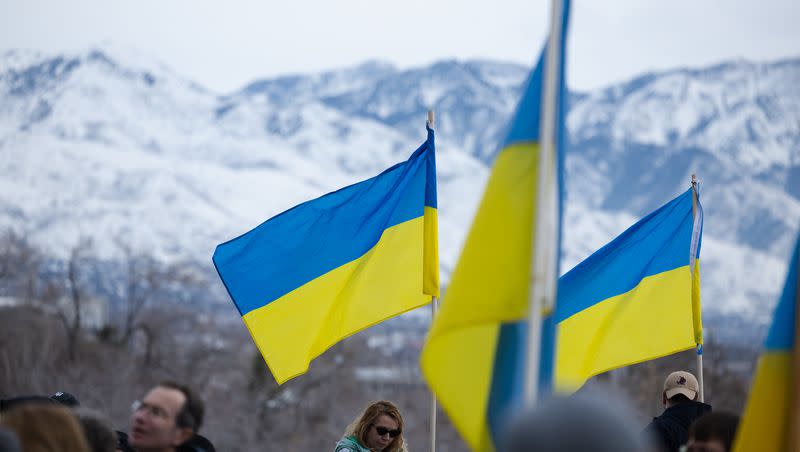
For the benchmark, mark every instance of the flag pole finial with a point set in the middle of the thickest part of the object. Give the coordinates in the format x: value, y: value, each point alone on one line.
x: 431, y: 119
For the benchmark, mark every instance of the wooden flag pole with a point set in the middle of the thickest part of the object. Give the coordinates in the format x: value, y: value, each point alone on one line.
x: 701, y: 393
x: 434, y: 309
x: 542, y: 290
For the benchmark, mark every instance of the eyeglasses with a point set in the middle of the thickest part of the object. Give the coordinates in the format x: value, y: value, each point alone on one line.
x: 152, y: 410
x: 383, y: 430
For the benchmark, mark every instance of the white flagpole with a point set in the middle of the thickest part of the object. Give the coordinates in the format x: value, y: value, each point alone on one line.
x: 434, y: 308
x: 701, y: 393
x: 542, y: 290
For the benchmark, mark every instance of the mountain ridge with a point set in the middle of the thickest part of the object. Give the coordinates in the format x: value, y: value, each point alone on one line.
x: 113, y: 146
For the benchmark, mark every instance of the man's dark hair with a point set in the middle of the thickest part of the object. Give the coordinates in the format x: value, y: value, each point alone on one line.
x: 191, y: 413
x: 717, y: 425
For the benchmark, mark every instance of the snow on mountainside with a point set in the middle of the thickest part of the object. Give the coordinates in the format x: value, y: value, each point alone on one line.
x: 111, y: 144
x: 737, y: 125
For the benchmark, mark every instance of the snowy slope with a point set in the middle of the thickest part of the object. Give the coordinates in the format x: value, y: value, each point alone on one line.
x: 114, y: 145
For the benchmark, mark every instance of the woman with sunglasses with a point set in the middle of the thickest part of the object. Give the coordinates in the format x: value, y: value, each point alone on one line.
x: 378, y: 429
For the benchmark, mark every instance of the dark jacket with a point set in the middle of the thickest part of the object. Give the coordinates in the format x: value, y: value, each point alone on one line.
x: 671, y: 429
x: 196, y: 443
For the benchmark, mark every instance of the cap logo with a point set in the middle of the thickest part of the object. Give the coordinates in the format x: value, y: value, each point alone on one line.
x: 682, y: 381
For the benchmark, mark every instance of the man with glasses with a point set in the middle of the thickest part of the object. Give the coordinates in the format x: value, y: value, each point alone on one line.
x: 165, y: 419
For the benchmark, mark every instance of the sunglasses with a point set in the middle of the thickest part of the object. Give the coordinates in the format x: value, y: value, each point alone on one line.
x: 383, y: 430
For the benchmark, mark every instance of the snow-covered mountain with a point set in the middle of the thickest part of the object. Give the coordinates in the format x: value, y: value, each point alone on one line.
x: 117, y: 146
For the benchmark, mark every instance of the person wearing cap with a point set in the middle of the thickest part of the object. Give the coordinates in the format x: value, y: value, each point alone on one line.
x: 167, y: 420
x: 670, y: 430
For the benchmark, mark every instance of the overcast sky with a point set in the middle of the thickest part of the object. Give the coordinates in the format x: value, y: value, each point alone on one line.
x: 225, y: 44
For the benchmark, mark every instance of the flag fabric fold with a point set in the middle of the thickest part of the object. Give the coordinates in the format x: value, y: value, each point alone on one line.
x: 771, y: 414
x: 633, y: 300
x: 474, y: 356
x: 335, y: 265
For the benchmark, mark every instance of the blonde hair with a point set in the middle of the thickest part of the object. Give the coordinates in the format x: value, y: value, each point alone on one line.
x: 46, y: 428
x: 359, y: 428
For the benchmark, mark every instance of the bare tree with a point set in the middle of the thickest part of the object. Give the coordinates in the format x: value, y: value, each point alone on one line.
x: 140, y: 281
x: 19, y: 263
x: 144, y: 281
x: 71, y: 317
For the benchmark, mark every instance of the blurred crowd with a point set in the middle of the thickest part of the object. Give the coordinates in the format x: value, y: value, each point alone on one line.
x: 169, y: 416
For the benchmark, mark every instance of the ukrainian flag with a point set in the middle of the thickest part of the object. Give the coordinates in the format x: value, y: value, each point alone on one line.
x: 333, y: 266
x: 772, y: 406
x: 635, y: 299
x: 474, y: 355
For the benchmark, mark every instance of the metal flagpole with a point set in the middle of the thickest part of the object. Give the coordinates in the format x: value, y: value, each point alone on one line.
x: 700, y: 372
x: 693, y: 270
x: 543, y: 266
x: 434, y: 309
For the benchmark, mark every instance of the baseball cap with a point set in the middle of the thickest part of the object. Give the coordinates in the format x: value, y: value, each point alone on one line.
x: 681, y: 382
x: 65, y: 399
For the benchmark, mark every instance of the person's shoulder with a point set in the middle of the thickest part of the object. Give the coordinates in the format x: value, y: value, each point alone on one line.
x: 653, y: 425
x: 340, y: 447
x: 197, y: 443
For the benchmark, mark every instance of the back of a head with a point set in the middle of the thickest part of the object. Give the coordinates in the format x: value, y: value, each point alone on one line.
x: 718, y: 425
x: 41, y: 428
x: 577, y: 423
x: 680, y: 383
x: 98, y: 432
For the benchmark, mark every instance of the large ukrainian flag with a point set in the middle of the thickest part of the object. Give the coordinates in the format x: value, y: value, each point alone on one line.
x: 474, y: 356
x: 330, y: 267
x: 771, y: 414
x: 635, y: 299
